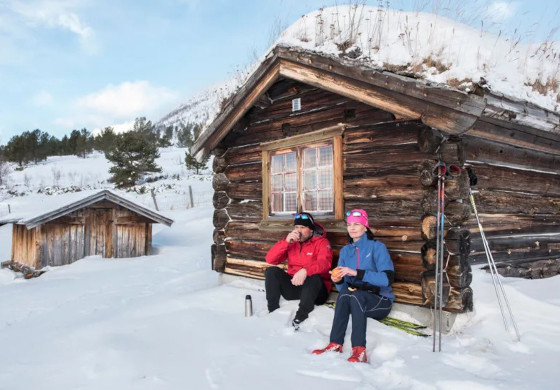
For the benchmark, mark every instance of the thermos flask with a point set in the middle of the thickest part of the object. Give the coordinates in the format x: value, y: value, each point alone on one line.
x: 248, y: 306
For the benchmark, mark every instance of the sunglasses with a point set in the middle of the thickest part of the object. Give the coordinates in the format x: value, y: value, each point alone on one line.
x: 354, y: 214
x: 303, y: 216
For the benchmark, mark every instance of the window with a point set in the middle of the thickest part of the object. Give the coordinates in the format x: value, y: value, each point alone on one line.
x: 304, y: 173
x: 311, y: 179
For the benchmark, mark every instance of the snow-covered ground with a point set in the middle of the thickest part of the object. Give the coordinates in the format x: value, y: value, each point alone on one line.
x: 167, y: 321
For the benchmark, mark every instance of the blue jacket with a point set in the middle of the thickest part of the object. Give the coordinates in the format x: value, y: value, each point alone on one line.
x: 372, y: 257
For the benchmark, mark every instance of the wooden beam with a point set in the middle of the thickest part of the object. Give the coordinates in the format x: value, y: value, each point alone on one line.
x: 235, y: 109
x: 400, y: 104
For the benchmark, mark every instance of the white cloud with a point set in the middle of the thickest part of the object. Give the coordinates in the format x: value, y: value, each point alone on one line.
x: 42, y: 98
x: 499, y: 11
x: 119, y: 104
x: 56, y: 14
x: 127, y: 99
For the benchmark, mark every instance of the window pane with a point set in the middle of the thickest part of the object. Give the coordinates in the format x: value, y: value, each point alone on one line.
x: 290, y: 204
x: 309, y: 180
x: 325, y: 156
x: 325, y: 179
x: 291, y: 162
x: 325, y: 201
x: 309, y: 158
x: 276, y: 203
x: 310, y: 172
x: 276, y: 183
x: 310, y: 201
x: 290, y: 182
x: 277, y: 164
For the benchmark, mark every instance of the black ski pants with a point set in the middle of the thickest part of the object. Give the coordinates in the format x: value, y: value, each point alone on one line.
x: 278, y: 283
x: 361, y: 305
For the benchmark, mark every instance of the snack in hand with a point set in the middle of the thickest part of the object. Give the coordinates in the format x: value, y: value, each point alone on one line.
x: 335, y: 273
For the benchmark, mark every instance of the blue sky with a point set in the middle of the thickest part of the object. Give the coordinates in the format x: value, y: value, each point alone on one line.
x: 70, y: 64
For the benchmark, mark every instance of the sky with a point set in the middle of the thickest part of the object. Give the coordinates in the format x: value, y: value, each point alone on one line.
x: 73, y: 64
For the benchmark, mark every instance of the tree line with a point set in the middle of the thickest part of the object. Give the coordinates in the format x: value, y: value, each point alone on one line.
x: 132, y: 153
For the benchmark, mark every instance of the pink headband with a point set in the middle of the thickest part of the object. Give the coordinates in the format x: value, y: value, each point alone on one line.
x: 357, y: 215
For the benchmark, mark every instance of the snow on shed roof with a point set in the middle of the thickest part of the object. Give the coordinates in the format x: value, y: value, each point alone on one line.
x: 36, y: 210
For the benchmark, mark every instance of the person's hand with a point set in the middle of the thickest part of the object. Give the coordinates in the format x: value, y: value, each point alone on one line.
x: 345, y: 271
x: 299, y: 277
x: 335, y: 275
x: 293, y: 236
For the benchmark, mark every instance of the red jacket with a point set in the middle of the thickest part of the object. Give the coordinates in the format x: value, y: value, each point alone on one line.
x: 315, y: 255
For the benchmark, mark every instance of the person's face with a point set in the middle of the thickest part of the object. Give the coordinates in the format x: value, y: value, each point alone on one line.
x: 304, y: 231
x: 356, y: 230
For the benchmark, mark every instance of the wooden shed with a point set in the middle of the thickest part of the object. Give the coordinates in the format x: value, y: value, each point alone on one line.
x: 103, y: 223
x: 310, y: 132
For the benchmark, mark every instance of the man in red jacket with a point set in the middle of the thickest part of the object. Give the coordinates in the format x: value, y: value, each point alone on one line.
x: 309, y: 258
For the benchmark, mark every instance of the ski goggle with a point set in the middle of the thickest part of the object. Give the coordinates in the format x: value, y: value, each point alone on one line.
x: 303, y: 216
x: 449, y: 171
x: 354, y: 214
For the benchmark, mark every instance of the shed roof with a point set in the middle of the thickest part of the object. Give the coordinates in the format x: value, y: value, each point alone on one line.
x: 48, y: 208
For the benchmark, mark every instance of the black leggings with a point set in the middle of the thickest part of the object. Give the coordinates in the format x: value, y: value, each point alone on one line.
x: 278, y: 283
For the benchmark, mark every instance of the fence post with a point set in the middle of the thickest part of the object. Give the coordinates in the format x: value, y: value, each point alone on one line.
x: 191, y: 196
x: 154, y: 198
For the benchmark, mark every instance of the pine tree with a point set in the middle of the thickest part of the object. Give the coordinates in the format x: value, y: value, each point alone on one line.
x: 192, y: 163
x: 15, y: 150
x: 184, y: 135
x: 133, y: 157
x: 105, y: 140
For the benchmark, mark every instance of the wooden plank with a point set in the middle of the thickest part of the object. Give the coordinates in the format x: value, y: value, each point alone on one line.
x: 481, y: 151
x: 515, y: 135
x: 519, y: 180
x: 305, y: 139
x: 338, y: 169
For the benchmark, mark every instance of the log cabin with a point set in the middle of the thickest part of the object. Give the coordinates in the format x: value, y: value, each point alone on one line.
x: 325, y: 134
x: 102, y: 223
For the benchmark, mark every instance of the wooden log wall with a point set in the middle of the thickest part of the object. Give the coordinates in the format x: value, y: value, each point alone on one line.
x: 24, y: 248
x: 382, y: 168
x: 518, y: 199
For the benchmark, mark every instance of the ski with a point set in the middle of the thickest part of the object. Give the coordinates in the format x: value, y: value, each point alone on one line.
x: 403, y: 323
x: 412, y: 329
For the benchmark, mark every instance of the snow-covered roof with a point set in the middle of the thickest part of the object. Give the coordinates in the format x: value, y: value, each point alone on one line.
x: 434, y: 48
x: 35, y: 211
x: 517, y: 83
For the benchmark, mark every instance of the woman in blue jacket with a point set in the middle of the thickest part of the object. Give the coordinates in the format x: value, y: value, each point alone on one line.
x: 363, y: 278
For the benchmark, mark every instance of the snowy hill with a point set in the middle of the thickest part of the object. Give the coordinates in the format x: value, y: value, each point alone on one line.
x: 203, y: 107
x: 62, y: 174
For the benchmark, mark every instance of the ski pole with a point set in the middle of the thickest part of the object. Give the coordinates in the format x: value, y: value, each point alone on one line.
x: 440, y: 254
x: 438, y: 230
x: 492, y: 264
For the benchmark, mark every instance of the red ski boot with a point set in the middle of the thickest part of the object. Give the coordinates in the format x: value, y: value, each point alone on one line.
x: 358, y: 355
x: 332, y: 347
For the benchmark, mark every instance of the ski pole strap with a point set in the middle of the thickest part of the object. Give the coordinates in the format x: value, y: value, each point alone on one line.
x: 473, y: 180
